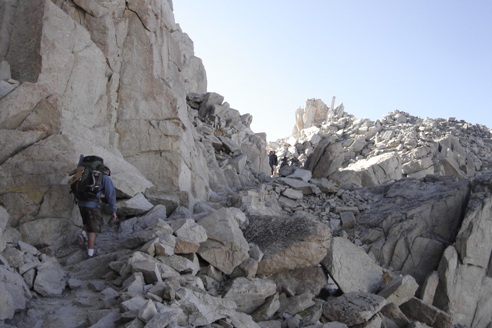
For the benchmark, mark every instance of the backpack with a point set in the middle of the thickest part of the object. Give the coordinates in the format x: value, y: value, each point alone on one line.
x: 86, y: 180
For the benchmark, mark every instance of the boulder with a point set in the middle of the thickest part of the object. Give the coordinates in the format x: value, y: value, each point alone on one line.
x: 376, y: 170
x: 226, y: 247
x: 353, y: 308
x: 360, y: 274
x: 137, y: 205
x: 297, y: 281
x: 51, y: 279
x: 7, y: 308
x: 326, y: 159
x: 417, y: 310
x: 202, y: 308
x: 296, y: 304
x: 48, y: 232
x: 189, y: 235
x: 400, y: 290
x: 249, y: 293
x: 289, y: 242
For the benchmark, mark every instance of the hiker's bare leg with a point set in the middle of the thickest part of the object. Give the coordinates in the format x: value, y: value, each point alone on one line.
x: 91, y: 240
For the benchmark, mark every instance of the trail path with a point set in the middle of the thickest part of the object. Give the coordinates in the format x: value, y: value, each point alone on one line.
x: 89, y: 300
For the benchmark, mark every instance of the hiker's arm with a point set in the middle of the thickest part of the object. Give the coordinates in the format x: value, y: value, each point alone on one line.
x: 110, y: 193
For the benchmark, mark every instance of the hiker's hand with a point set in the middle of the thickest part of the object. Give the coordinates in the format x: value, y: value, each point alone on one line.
x: 113, y: 217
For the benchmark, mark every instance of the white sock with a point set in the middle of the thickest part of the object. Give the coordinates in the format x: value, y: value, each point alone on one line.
x: 90, y: 251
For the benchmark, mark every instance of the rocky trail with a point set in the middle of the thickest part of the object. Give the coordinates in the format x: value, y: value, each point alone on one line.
x: 388, y: 218
x: 89, y: 299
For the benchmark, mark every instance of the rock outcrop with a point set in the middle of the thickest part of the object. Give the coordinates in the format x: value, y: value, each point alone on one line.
x: 361, y: 152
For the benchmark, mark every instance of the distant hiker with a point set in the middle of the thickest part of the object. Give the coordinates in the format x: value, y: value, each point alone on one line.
x: 295, y: 162
x: 90, y: 183
x: 284, y: 162
x: 272, y: 160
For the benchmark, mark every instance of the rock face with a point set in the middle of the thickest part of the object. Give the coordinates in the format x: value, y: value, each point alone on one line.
x: 368, y: 224
x: 133, y: 112
x: 412, y: 239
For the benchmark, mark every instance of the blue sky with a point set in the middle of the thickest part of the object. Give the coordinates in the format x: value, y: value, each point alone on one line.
x: 429, y: 58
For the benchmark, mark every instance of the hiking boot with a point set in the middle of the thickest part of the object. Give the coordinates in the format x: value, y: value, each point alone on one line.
x: 82, y: 242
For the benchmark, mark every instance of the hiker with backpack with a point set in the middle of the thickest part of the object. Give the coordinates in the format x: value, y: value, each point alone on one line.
x: 272, y: 161
x: 90, y: 182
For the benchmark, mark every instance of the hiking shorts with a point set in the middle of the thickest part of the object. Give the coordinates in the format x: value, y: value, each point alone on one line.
x: 91, y: 218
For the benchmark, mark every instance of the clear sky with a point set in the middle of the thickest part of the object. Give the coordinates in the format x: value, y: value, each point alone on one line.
x: 430, y: 58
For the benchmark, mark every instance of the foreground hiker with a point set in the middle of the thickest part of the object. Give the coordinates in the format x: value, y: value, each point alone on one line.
x: 90, y: 182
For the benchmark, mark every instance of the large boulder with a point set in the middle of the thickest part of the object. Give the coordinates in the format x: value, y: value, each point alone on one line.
x: 326, y: 159
x: 225, y: 247
x: 360, y: 274
x: 289, y: 242
x: 373, y: 171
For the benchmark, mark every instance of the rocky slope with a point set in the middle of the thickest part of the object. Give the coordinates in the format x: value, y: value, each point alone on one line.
x: 374, y: 224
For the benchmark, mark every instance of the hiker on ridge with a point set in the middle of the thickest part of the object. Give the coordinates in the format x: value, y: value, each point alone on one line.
x: 89, y: 202
x: 272, y: 160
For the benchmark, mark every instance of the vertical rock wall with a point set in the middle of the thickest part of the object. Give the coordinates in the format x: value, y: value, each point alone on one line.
x: 104, y: 78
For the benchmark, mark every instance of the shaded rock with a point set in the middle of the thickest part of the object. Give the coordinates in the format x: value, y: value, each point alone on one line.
x: 149, y: 269
x: 181, y: 264
x: 300, y: 185
x: 134, y: 304
x: 135, y: 283
x: 51, y: 278
x: 249, y: 293
x: 326, y: 159
x: 393, y: 312
x: 4, y: 220
x: 400, y: 290
x: 203, y: 309
x: 7, y: 308
x: 295, y: 304
x: 147, y: 312
x: 421, y: 217
x: 247, y: 269
x: 416, y: 310
x: 464, y: 269
x: 298, y: 281
x: 348, y: 220
x: 267, y: 309
x: 301, y: 174
x: 48, y: 232
x: 353, y: 308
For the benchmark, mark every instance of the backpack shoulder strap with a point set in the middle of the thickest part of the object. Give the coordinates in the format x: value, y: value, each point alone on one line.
x: 76, y: 174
